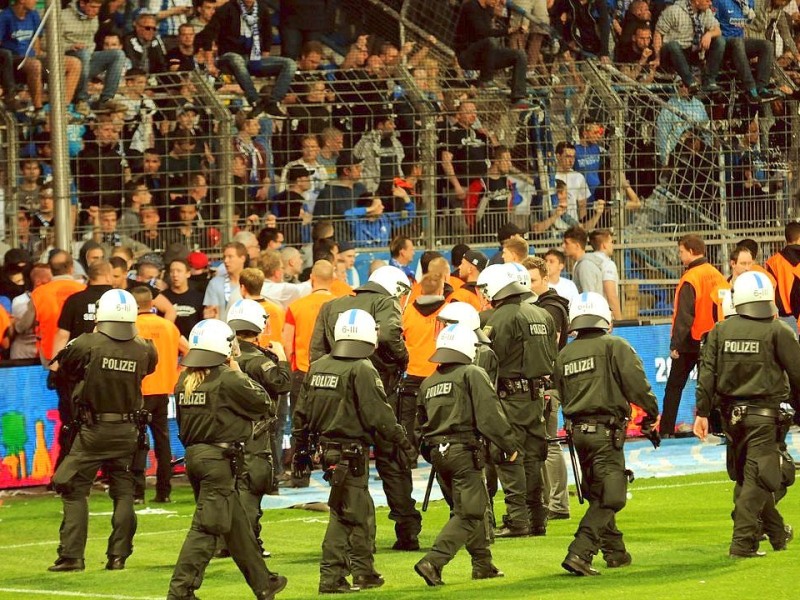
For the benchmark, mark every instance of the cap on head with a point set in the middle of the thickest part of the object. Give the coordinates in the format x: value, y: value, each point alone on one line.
x: 355, y: 334
x: 455, y: 344
x: 476, y: 259
x: 463, y: 313
x: 116, y: 315
x: 247, y: 315
x: 589, y: 310
x: 210, y: 344
x: 754, y: 296
x: 499, y: 282
x: 391, y: 279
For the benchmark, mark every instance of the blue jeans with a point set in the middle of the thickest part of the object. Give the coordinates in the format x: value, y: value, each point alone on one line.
x: 672, y: 55
x: 741, y: 51
x: 241, y: 68
x: 110, y: 62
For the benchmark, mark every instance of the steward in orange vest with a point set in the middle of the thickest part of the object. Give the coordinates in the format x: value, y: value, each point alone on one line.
x: 157, y: 387
x: 785, y: 267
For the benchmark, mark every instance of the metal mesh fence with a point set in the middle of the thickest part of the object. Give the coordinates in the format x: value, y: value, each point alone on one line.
x: 393, y: 137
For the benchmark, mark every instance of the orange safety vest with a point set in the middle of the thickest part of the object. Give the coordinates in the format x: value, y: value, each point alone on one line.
x: 302, y: 314
x: 467, y: 295
x: 5, y: 323
x: 784, y: 274
x: 166, y: 338
x: 703, y: 278
x: 48, y: 300
x: 340, y: 288
x: 420, y: 332
x: 276, y: 319
x: 717, y: 296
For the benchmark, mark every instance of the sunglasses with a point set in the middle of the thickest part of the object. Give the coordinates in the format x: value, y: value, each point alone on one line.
x: 148, y: 27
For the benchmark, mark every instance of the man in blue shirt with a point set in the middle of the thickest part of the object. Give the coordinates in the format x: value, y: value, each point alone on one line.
x: 371, y: 226
x: 733, y: 16
x: 588, y: 155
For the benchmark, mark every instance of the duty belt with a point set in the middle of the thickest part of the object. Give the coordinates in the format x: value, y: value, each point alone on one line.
x: 740, y: 411
x: 590, y: 424
x: 114, y: 418
x: 223, y: 445
x: 514, y: 386
x: 338, y: 444
x: 453, y: 438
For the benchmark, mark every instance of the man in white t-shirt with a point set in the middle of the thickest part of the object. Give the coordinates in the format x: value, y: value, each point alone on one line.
x: 577, y: 188
x: 556, y: 261
x: 602, y: 241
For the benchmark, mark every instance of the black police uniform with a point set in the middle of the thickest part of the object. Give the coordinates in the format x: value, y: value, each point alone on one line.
x: 598, y: 377
x: 391, y: 360
x: 274, y: 375
x: 457, y: 405
x: 743, y: 371
x: 523, y: 337
x: 213, y: 421
x: 343, y: 404
x: 107, y: 374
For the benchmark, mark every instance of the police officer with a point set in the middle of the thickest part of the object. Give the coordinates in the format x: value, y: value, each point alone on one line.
x: 743, y: 370
x: 598, y: 377
x: 343, y: 404
x: 106, y: 367
x: 379, y: 297
x: 216, y: 407
x: 270, y: 369
x: 523, y: 337
x: 456, y: 405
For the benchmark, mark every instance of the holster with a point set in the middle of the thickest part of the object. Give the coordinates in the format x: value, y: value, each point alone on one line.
x: 235, y: 454
x: 142, y: 418
x: 337, y: 478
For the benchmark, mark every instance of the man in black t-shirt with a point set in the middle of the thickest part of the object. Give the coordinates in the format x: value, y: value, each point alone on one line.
x: 188, y: 301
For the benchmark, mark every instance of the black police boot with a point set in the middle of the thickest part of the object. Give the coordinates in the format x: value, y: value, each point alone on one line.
x: 575, y: 564
x: 486, y: 572
x: 340, y: 587
x: 617, y: 560
x: 406, y: 544
x: 365, y: 582
x: 745, y: 553
x: 512, y: 532
x: 430, y: 573
x: 63, y: 565
x: 276, y: 584
x: 115, y: 563
x: 784, y: 541
x: 538, y: 530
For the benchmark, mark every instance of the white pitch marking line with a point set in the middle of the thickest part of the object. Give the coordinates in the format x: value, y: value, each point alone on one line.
x: 76, y: 594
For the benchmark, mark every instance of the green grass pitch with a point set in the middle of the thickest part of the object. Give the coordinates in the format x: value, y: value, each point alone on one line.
x: 677, y: 529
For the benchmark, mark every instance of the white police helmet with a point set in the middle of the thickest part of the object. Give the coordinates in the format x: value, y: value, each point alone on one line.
x: 210, y: 344
x: 115, y: 315
x: 522, y: 274
x: 589, y: 310
x: 463, y: 313
x: 247, y: 315
x: 754, y: 296
x: 391, y: 279
x: 355, y: 334
x: 498, y: 282
x: 455, y: 344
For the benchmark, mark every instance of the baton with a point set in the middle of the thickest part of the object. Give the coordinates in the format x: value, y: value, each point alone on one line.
x: 576, y: 469
x: 431, y: 478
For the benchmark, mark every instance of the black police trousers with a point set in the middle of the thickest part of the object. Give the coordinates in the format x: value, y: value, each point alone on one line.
x: 605, y: 486
x: 754, y: 463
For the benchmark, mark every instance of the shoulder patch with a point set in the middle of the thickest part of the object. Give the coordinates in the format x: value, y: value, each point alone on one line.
x: 379, y: 384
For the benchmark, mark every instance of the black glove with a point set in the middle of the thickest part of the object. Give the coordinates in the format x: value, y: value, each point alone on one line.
x: 410, y: 453
x: 51, y: 380
x: 425, y: 450
x: 302, y: 463
x: 650, y: 433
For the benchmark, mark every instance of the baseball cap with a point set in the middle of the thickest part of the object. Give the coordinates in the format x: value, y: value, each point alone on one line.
x: 197, y: 260
x: 508, y: 230
x: 296, y: 172
x: 478, y: 259
x: 188, y: 107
